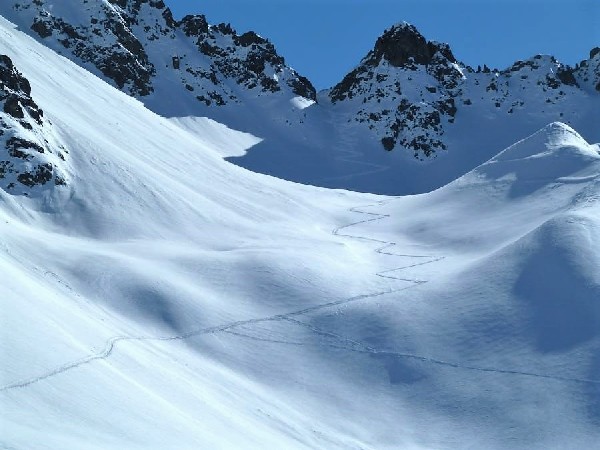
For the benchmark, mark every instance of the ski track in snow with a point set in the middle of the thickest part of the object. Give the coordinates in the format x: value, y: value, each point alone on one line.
x: 344, y: 343
x: 345, y: 143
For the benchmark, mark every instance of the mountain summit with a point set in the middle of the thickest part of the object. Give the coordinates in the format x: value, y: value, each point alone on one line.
x: 403, y: 44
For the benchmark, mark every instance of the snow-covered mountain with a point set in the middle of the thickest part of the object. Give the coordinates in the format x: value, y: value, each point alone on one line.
x: 161, y: 297
x: 440, y: 117
x: 175, y: 67
x: 409, y: 91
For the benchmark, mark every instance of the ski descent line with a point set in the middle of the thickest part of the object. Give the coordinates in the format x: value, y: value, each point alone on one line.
x: 383, y: 249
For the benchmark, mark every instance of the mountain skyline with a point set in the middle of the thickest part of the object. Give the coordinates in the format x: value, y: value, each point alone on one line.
x: 409, y: 111
x: 317, y: 41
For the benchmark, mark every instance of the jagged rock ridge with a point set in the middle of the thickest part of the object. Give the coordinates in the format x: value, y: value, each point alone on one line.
x: 138, y: 45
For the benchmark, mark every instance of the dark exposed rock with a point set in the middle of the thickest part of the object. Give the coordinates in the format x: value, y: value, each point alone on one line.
x: 552, y: 82
x: 225, y: 28
x: 169, y: 20
x: 41, y: 28
x: 303, y: 87
x: 18, y: 148
x: 21, y: 159
x: 566, y: 76
x: 176, y: 62
x: 388, y: 143
x: 41, y: 175
x: 404, y: 44
x: 121, y: 3
x: 249, y: 38
x: 15, y: 92
x: 13, y: 107
x: 11, y: 78
x: 345, y: 88
x: 194, y: 25
x: 447, y: 106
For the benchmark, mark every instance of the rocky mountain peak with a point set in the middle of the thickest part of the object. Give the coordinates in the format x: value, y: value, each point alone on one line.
x: 193, y: 25
x: 403, y: 48
x: 403, y: 44
x: 409, y: 92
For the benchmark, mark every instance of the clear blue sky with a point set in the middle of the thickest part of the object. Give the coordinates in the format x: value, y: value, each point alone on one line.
x: 324, y: 39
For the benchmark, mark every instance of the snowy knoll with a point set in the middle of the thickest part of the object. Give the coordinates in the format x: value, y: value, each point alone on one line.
x: 503, y: 332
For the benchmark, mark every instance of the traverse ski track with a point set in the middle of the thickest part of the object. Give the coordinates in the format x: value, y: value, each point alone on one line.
x: 359, y: 347
x: 344, y: 145
x: 345, y: 343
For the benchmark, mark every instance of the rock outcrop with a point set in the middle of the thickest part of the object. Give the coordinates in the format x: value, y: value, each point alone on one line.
x: 30, y: 158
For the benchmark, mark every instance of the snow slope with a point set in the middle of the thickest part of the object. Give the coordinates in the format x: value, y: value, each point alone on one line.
x: 164, y: 298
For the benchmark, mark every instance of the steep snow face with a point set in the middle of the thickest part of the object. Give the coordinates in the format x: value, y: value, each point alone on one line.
x: 32, y: 157
x: 141, y: 49
x: 410, y: 91
x: 513, y: 307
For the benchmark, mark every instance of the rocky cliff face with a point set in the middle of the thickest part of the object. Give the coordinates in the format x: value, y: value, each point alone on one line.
x: 587, y: 72
x: 31, y: 158
x: 409, y: 91
x: 140, y: 48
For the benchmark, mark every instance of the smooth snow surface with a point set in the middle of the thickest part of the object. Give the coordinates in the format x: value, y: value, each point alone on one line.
x: 168, y: 299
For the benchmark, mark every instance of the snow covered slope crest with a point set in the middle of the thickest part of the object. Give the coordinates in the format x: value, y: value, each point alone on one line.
x: 555, y: 154
x: 139, y: 47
